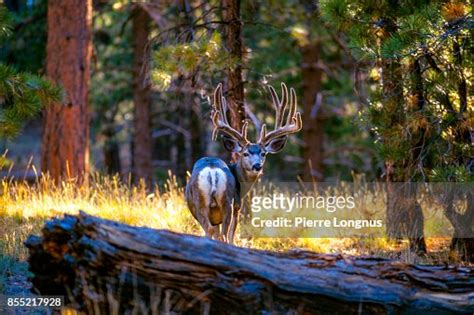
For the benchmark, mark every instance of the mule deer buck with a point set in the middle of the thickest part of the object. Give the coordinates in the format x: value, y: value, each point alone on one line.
x: 215, y: 191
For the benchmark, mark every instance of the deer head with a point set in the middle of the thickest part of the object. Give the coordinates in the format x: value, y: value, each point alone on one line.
x: 252, y: 154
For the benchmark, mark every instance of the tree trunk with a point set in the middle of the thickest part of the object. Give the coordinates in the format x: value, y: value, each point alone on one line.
x: 111, y: 151
x: 464, y: 247
x: 142, y: 135
x: 65, y: 147
x: 233, y: 42
x: 392, y: 101
x: 404, y: 215
x: 313, y: 122
x: 391, y: 76
x: 103, y: 265
x: 416, y: 221
x: 462, y: 222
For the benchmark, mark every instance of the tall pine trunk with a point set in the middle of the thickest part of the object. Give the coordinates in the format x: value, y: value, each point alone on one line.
x: 417, y: 221
x: 233, y: 42
x: 142, y: 135
x: 65, y: 147
x: 404, y: 215
x: 313, y: 122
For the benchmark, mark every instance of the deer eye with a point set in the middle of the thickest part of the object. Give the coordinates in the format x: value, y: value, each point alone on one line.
x: 246, y: 154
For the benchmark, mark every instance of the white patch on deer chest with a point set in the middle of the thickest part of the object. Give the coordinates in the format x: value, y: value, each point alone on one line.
x: 212, y: 181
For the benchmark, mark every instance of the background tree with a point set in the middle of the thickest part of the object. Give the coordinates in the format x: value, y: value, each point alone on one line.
x: 142, y: 141
x: 112, y: 104
x: 311, y: 57
x: 311, y: 74
x: 200, y: 55
x: 419, y: 109
x: 65, y: 151
x: 189, y: 60
x: 234, y: 80
x: 451, y: 80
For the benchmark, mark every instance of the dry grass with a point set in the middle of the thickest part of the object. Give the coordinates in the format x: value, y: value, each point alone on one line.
x: 24, y: 209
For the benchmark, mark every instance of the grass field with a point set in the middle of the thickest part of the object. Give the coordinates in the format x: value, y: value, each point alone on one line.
x: 24, y: 208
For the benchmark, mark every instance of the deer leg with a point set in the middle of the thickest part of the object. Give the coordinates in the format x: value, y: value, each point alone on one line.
x: 234, y: 215
x: 203, y: 219
x: 227, y: 223
x: 215, y: 233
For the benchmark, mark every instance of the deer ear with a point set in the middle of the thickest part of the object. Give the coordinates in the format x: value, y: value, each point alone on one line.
x: 231, y: 144
x: 276, y: 145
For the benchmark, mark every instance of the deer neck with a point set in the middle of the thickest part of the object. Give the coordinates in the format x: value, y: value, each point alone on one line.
x: 245, y: 179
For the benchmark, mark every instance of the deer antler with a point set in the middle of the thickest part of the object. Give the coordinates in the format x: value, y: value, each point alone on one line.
x: 283, y: 127
x: 220, y: 121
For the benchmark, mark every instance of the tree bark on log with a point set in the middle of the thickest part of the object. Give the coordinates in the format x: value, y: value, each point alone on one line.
x: 104, y: 266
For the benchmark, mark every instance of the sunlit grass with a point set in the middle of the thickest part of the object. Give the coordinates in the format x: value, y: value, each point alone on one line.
x: 25, y: 207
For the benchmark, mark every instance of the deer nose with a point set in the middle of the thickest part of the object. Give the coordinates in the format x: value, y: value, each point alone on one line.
x: 257, y: 167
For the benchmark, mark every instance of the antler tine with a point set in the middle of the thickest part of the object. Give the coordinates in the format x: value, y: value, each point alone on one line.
x: 293, y: 121
x: 280, y: 106
x: 216, y: 110
x: 215, y: 118
x: 274, y: 95
x: 283, y: 104
x: 263, y: 133
x: 292, y: 111
x: 220, y: 121
x: 223, y: 107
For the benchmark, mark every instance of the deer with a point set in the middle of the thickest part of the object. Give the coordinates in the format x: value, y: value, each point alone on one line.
x: 215, y: 190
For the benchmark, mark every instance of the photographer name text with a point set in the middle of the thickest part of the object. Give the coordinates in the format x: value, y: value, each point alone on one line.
x: 304, y: 222
x: 283, y: 211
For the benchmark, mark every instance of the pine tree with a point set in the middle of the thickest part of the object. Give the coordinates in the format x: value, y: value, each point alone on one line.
x: 142, y: 140
x: 22, y: 95
x: 420, y: 109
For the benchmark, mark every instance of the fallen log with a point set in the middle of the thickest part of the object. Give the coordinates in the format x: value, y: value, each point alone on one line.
x: 103, y: 266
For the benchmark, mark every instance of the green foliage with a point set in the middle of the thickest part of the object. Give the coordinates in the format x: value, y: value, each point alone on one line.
x: 339, y: 12
x: 451, y: 173
x: 22, y: 95
x: 6, y: 22
x: 112, y: 70
x: 4, y: 162
x: 416, y: 116
x: 27, y: 48
x: 205, y: 54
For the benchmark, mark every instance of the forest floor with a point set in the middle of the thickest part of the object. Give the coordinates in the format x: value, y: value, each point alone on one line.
x: 24, y: 208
